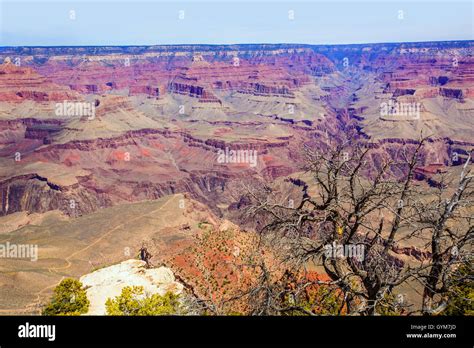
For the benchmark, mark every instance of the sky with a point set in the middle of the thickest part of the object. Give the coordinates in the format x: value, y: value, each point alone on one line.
x: 128, y: 22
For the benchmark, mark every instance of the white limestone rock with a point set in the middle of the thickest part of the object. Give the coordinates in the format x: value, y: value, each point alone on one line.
x: 108, y: 282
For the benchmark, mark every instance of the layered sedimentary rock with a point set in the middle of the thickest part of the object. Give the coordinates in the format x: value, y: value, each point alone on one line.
x: 19, y: 83
x: 173, y: 135
x: 162, y: 113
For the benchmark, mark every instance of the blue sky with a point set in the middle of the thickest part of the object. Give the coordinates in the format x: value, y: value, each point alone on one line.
x: 128, y: 22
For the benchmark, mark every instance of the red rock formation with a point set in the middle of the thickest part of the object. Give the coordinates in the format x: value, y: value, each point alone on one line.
x: 23, y: 83
x: 181, y: 158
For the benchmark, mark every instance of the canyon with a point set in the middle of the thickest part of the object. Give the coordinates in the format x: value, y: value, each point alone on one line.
x: 73, y: 183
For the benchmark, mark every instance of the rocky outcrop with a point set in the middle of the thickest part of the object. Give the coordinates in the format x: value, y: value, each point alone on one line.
x: 108, y: 282
x: 42, y: 132
x: 413, y: 252
x: 451, y: 93
x: 34, y: 193
x: 19, y: 83
x: 193, y: 91
x: 148, y: 90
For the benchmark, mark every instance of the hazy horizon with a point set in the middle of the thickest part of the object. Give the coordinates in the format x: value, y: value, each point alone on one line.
x: 245, y: 44
x: 150, y: 23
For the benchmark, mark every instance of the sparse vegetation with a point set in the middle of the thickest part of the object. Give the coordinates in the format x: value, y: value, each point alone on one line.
x: 204, y: 225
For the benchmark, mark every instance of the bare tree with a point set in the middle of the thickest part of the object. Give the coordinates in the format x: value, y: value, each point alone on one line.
x: 357, y: 220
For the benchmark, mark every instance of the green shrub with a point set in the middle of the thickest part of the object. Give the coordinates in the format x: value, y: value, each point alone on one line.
x: 134, y: 301
x: 321, y: 300
x: 69, y: 298
x: 461, y: 294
